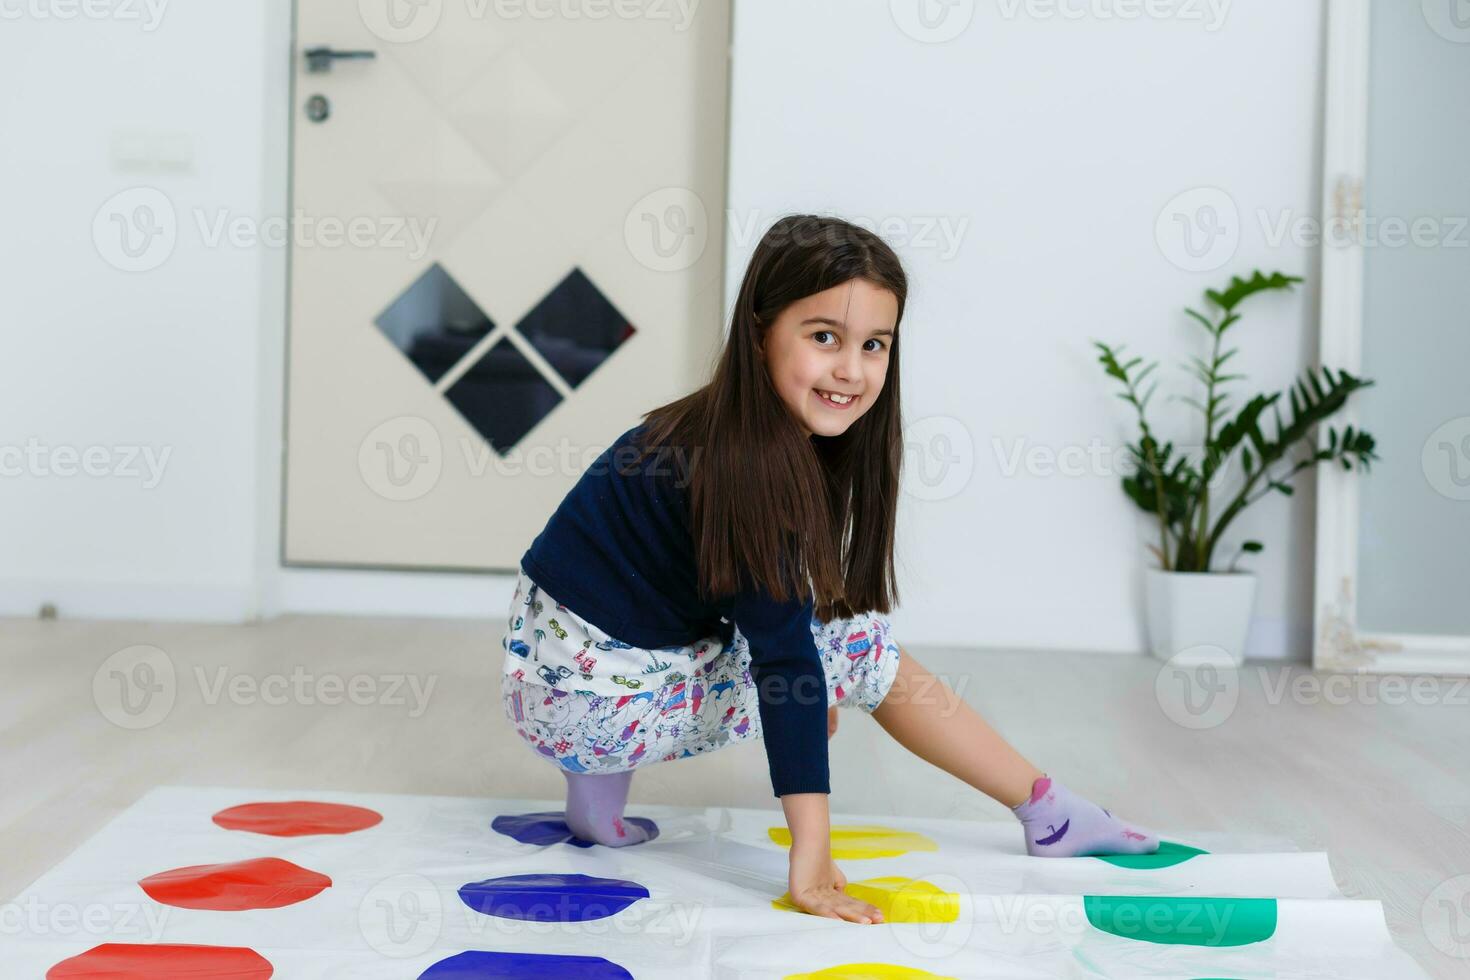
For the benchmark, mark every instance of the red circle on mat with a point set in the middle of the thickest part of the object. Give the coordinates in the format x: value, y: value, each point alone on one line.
x: 260, y: 883
x: 297, y: 818
x: 130, y: 961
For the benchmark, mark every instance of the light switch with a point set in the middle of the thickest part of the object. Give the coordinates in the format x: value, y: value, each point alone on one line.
x: 151, y: 152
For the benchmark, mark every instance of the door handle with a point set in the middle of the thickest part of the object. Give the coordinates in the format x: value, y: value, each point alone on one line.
x: 320, y: 59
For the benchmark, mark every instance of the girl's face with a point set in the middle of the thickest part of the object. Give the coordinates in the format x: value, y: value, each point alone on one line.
x: 832, y: 343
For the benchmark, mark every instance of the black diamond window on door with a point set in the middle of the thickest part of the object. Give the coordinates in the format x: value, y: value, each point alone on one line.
x: 503, y: 396
x: 575, y: 328
x: 434, y: 322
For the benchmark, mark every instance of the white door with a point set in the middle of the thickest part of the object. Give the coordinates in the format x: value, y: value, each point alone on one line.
x: 506, y: 246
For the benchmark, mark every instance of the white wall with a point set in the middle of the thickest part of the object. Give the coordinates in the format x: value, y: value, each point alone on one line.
x: 1049, y: 145
x: 114, y: 362
x: 1052, y: 144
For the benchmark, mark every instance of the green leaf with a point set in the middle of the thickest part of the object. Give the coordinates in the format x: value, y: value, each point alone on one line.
x: 1241, y: 289
x: 1253, y: 547
x: 1202, y: 319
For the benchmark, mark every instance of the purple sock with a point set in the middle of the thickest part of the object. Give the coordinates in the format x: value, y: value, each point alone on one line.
x: 1059, y: 823
x: 595, y: 808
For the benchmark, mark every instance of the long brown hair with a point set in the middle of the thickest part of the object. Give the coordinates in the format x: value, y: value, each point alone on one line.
x: 770, y: 506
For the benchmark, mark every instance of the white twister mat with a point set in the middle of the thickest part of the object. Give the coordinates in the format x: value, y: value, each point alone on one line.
x: 432, y: 889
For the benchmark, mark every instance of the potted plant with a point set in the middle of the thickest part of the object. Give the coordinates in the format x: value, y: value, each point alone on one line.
x: 1195, y: 609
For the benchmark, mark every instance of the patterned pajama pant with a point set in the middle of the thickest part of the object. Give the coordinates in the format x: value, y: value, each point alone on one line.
x: 717, y: 706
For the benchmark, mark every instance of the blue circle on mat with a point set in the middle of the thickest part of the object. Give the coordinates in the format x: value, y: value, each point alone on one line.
x: 476, y: 964
x: 551, y: 897
x: 550, y: 827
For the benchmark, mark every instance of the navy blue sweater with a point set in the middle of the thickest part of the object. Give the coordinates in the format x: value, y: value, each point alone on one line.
x: 619, y: 553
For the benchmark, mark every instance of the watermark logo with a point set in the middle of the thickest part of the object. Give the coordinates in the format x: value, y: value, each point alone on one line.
x: 1450, y: 19
x: 1446, y: 917
x: 667, y: 230
x: 400, y: 21
x: 136, y: 230
x: 136, y: 687
x: 401, y: 916
x: 925, y: 937
x: 401, y: 459
x: 1199, y: 230
x: 1446, y: 459
x: 932, y: 21
x: 1198, y: 687
x: 939, y: 458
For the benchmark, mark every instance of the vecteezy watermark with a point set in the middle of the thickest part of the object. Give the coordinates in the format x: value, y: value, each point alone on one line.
x: 1304, y: 687
x: 1445, y: 916
x: 1094, y: 459
x: 1450, y: 19
x: 1200, y: 921
x: 1198, y: 687
x: 404, y: 21
x: 33, y: 918
x: 940, y: 233
x: 304, y: 687
x: 939, y: 458
x: 667, y: 230
x: 922, y: 935
x: 137, y: 229
x: 1363, y: 230
x: 1199, y: 695
x: 401, y: 459
x: 122, y: 462
x: 673, y: 924
x: 401, y: 916
x: 1210, y: 13
x: 1446, y: 459
x: 138, y: 686
x: 574, y: 459
x: 135, y: 687
x: 147, y: 13
x: 932, y: 21
x: 1199, y: 230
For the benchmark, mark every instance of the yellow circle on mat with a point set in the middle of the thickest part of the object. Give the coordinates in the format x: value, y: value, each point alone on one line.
x: 853, y: 842
x: 869, y: 971
x: 899, y: 899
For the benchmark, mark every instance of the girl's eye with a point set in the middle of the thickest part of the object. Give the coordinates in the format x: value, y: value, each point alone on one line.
x: 827, y: 333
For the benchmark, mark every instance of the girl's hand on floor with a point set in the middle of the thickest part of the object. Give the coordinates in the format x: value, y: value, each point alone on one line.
x: 831, y: 721
x: 816, y: 885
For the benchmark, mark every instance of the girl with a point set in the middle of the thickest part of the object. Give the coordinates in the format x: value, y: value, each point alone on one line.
x: 724, y: 570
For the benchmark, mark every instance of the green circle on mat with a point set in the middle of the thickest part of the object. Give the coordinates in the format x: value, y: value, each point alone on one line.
x: 1183, y: 920
x: 1169, y: 854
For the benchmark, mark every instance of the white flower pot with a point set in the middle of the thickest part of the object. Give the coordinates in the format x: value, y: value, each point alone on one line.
x: 1194, y: 616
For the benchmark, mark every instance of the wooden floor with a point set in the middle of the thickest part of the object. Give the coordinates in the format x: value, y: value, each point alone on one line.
x: 1383, y: 788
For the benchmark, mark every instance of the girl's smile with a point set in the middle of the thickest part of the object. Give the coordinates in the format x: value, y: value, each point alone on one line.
x: 835, y: 400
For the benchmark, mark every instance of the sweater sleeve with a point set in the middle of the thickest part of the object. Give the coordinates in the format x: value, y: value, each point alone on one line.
x: 792, y: 689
